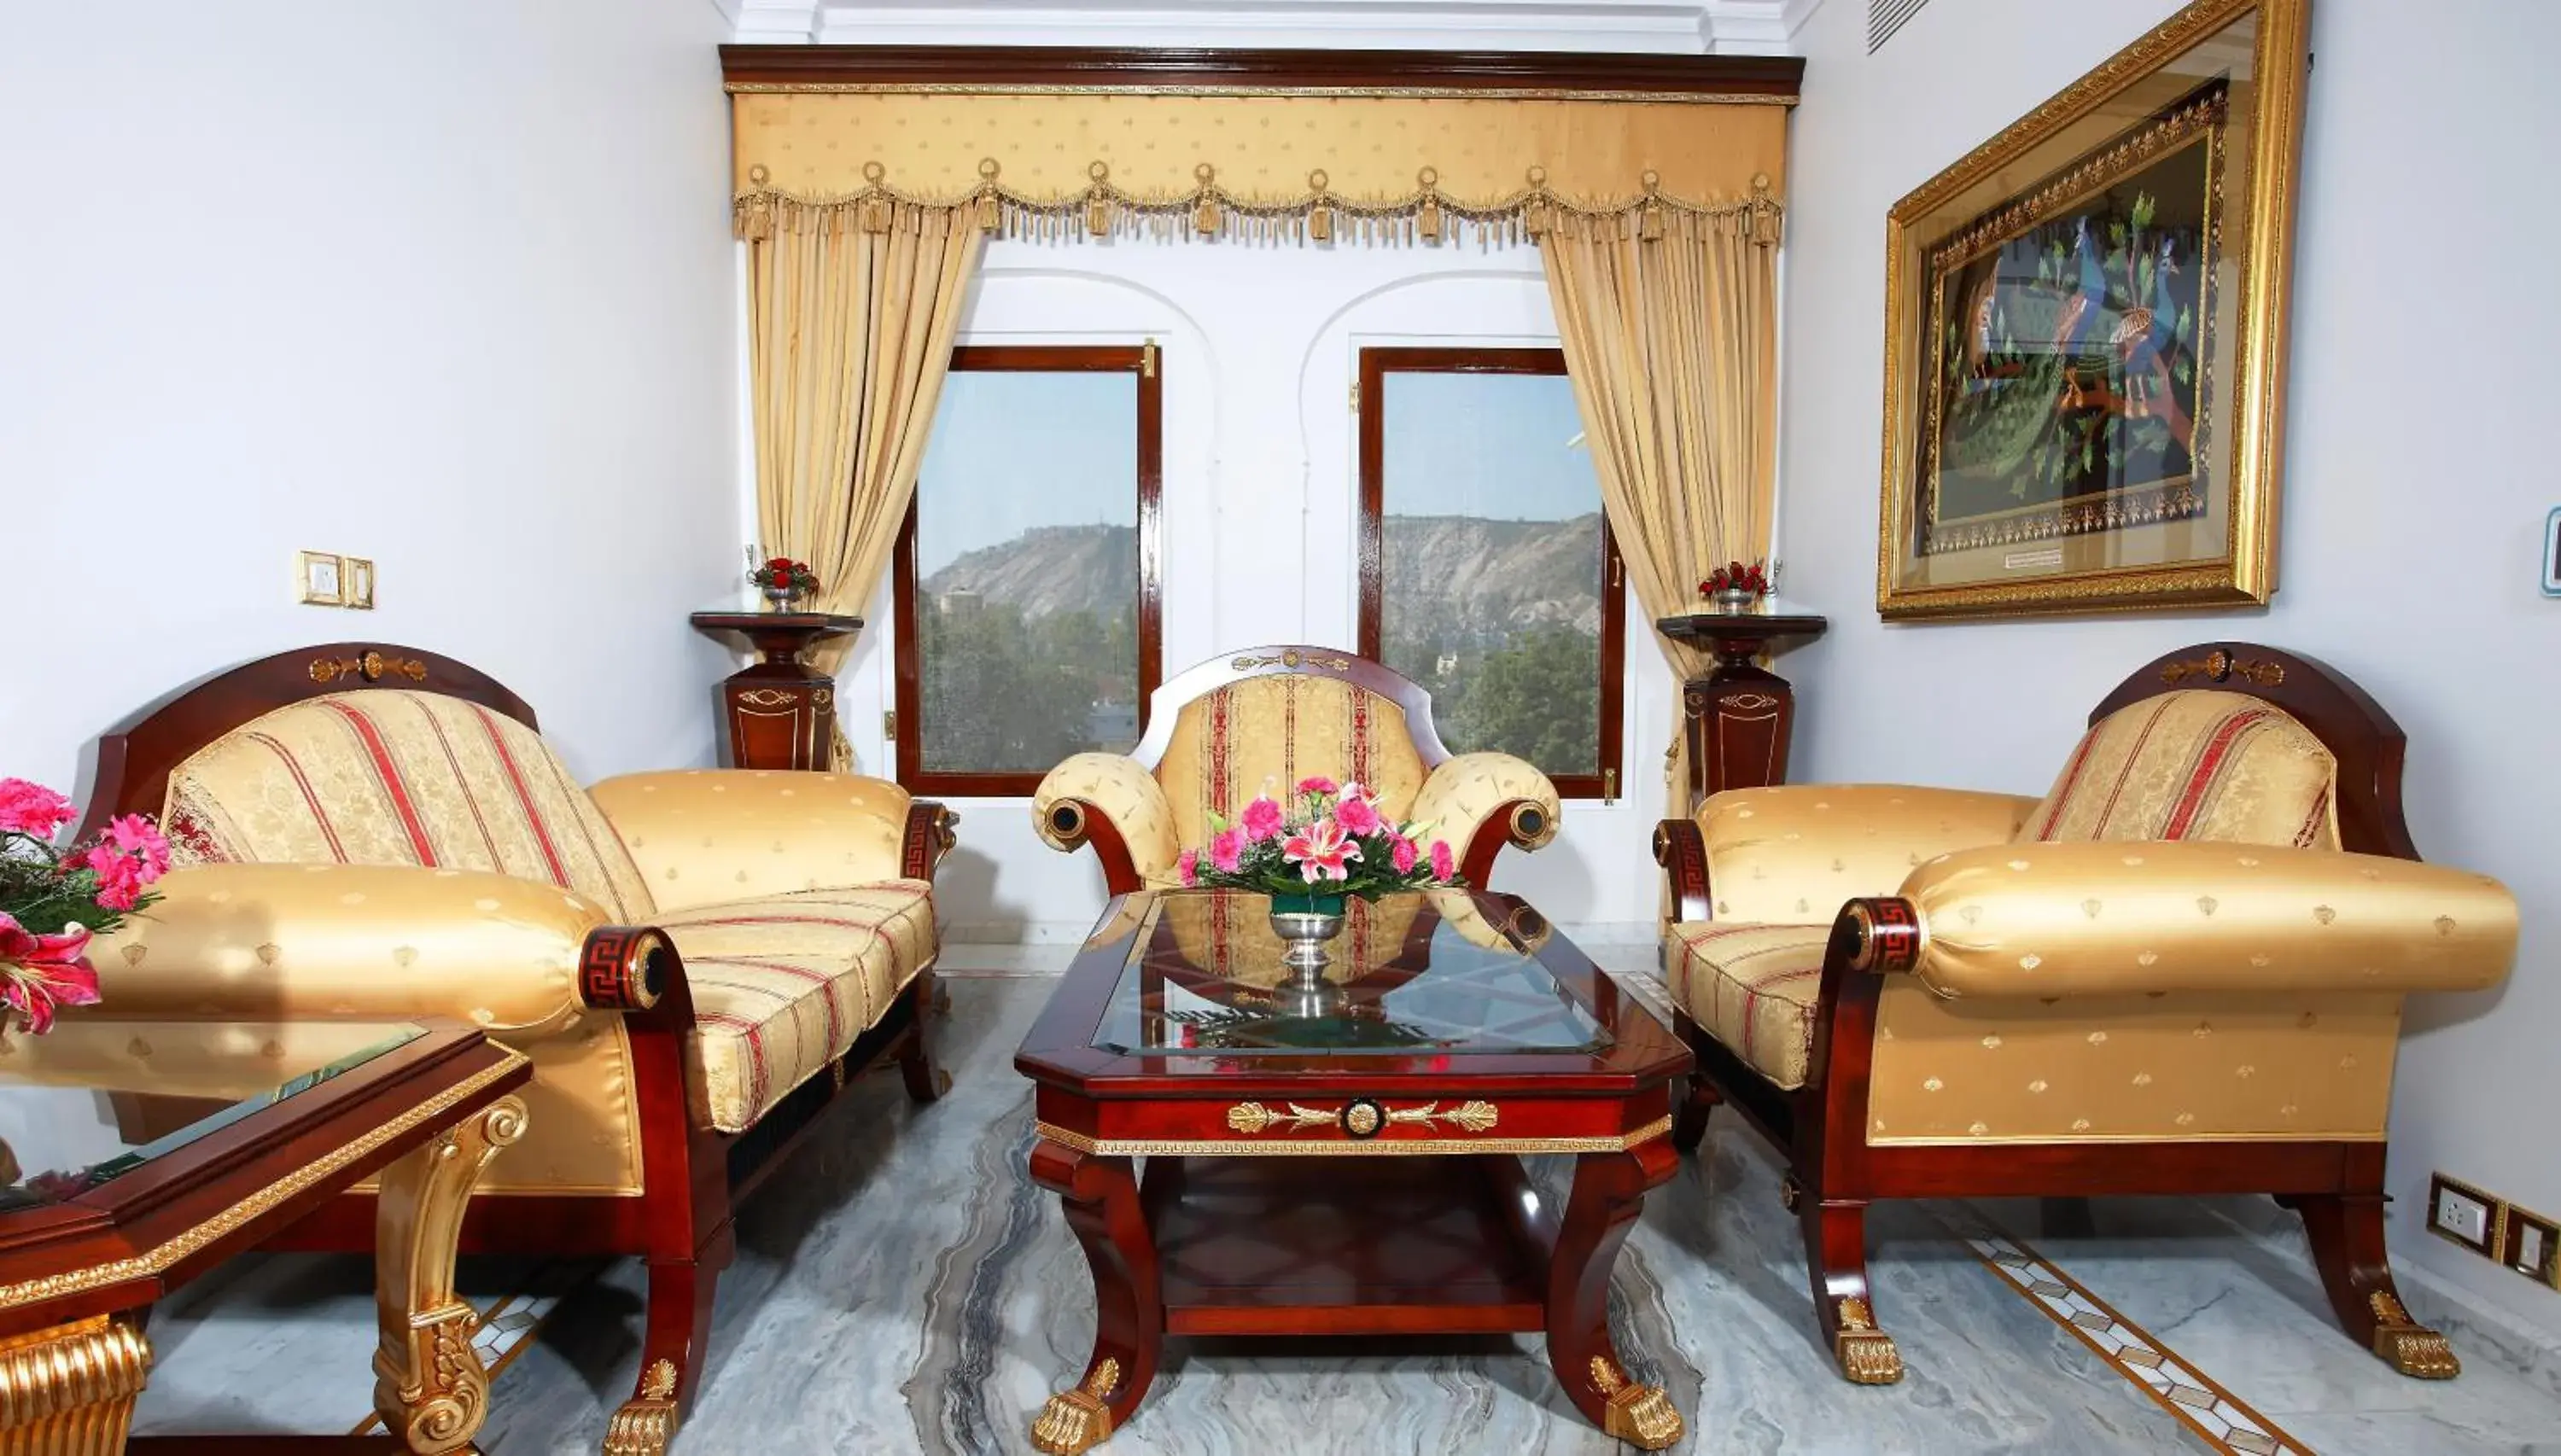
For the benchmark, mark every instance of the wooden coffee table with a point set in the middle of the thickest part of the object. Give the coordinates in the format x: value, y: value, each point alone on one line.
x: 1354, y: 1171
x: 217, y: 1135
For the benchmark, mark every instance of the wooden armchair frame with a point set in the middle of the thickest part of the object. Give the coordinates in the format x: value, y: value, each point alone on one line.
x: 1521, y: 822
x: 692, y: 1178
x: 1822, y: 1127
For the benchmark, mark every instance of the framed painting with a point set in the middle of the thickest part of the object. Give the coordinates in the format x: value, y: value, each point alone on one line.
x: 2084, y: 337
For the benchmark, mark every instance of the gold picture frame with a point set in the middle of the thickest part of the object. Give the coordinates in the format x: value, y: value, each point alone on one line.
x: 322, y: 578
x: 2084, y: 337
x: 358, y: 579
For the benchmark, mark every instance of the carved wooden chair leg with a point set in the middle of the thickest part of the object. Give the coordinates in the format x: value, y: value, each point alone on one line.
x: 429, y: 1383
x: 671, y: 1352
x: 1099, y: 1196
x: 1609, y: 1194
x: 2347, y: 1233
x: 1837, y: 1263
x: 926, y: 1082
x: 1689, y: 1120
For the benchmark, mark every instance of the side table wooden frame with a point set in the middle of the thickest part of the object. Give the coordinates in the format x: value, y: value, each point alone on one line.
x: 428, y: 1116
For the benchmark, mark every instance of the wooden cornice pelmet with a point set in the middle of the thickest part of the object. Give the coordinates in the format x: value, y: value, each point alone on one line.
x: 1309, y: 146
x: 1747, y: 79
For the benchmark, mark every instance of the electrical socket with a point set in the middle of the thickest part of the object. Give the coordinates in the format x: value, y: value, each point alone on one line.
x: 2460, y: 1213
x: 2532, y: 1246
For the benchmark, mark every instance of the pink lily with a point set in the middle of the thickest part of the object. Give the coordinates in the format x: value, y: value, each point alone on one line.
x: 1321, y: 850
x: 37, y: 972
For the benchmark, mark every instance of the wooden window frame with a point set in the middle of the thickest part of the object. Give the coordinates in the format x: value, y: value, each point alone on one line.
x: 1145, y: 364
x: 1375, y: 366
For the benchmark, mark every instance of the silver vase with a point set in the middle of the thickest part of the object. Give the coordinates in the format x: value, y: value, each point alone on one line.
x: 1307, y: 992
x: 1734, y: 602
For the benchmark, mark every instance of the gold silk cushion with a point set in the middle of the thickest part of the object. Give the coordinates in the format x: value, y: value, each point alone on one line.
x: 784, y: 984
x: 1754, y: 989
x: 1263, y: 735
x: 1792, y: 853
x: 705, y: 836
x: 392, y: 776
x: 2194, y: 764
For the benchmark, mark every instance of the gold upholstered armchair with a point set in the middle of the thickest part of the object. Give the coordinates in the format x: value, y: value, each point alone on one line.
x: 695, y: 962
x: 2179, y: 972
x: 1259, y: 720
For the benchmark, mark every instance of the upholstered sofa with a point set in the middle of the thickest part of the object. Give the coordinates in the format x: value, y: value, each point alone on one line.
x: 2178, y: 972
x: 1262, y: 718
x: 695, y: 961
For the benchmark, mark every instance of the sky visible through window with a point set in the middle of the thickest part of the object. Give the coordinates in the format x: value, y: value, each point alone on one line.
x: 1012, y: 451
x: 1489, y: 446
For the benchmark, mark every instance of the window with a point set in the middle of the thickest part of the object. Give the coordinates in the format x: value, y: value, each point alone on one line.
x: 1027, y: 573
x: 1487, y: 572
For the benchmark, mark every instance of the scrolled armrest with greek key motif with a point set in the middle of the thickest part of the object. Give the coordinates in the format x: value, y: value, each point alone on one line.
x: 625, y: 968
x: 930, y: 836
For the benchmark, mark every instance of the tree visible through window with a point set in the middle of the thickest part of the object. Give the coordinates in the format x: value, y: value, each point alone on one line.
x: 1487, y: 572
x: 1026, y: 585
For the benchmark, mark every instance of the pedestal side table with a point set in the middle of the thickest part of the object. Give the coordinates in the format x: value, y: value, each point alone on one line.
x: 1736, y: 718
x: 780, y: 712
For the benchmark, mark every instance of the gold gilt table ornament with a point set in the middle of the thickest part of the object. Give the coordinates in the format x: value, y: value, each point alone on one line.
x: 1289, y: 1184
x: 2084, y: 337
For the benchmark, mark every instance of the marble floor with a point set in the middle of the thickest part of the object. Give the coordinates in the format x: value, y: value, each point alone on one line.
x: 903, y: 1287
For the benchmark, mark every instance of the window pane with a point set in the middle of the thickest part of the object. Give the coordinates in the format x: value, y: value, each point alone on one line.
x: 1490, y: 534
x: 1027, y: 571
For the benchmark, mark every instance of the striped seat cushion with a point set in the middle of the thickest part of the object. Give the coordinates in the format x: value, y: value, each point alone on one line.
x: 394, y: 776
x: 784, y: 984
x: 1753, y: 988
x: 2196, y: 764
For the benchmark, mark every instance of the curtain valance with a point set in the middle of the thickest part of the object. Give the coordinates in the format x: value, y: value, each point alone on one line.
x: 1260, y: 166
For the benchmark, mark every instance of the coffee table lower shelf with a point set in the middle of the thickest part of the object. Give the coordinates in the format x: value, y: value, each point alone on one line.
x: 1345, y: 1246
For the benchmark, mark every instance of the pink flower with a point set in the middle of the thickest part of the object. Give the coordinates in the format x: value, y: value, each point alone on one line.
x: 1226, y: 850
x: 1317, y: 783
x: 38, y: 972
x: 1356, y: 812
x: 1187, y: 869
x: 32, y: 808
x: 1321, y: 852
x: 126, y: 858
x: 1261, y: 819
x: 1401, y: 854
x: 1444, y: 864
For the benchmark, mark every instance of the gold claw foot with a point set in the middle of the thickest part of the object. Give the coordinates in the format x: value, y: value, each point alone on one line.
x: 1791, y: 1192
x: 1077, y: 1420
x: 942, y: 1082
x: 942, y: 1000
x: 646, y: 1422
x: 1865, y: 1354
x: 2408, y: 1346
x: 1641, y: 1416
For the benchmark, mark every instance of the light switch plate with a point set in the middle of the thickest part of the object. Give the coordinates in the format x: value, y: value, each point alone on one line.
x: 2532, y: 1246
x: 2552, y: 552
x: 2462, y: 1213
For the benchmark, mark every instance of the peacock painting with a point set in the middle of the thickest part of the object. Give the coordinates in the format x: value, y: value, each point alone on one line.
x: 2065, y: 326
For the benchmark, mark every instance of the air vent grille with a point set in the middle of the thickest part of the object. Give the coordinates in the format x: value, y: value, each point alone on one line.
x: 1885, y: 17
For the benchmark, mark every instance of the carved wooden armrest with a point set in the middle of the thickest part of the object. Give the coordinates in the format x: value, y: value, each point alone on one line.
x: 1682, y: 851
x: 930, y: 836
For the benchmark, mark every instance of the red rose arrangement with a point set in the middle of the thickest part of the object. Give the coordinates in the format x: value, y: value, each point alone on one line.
x: 784, y: 578
x: 1736, y: 576
x: 53, y: 901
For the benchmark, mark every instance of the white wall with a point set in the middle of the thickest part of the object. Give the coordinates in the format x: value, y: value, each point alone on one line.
x: 2419, y: 365
x: 1260, y: 502
x: 441, y: 285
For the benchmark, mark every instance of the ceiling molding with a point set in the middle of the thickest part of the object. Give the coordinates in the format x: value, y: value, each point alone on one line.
x: 1657, y: 27
x: 1233, y: 70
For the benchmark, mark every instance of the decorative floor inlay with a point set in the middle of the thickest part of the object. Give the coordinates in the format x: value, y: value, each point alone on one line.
x: 2224, y: 1421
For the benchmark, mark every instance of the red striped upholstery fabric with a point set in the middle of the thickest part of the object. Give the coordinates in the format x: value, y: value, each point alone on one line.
x: 784, y: 984
x: 1263, y: 735
x: 2197, y: 764
x: 387, y: 776
x: 1753, y: 987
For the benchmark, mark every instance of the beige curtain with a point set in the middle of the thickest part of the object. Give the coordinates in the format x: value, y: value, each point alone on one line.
x: 1672, y: 341
x: 850, y: 316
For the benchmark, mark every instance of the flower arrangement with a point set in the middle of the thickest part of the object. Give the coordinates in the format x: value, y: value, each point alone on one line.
x: 1734, y: 577
x: 52, y: 900
x: 784, y: 580
x: 1328, y: 843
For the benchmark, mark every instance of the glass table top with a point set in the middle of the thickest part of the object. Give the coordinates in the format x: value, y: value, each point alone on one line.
x: 1437, y: 972
x: 98, y: 1098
